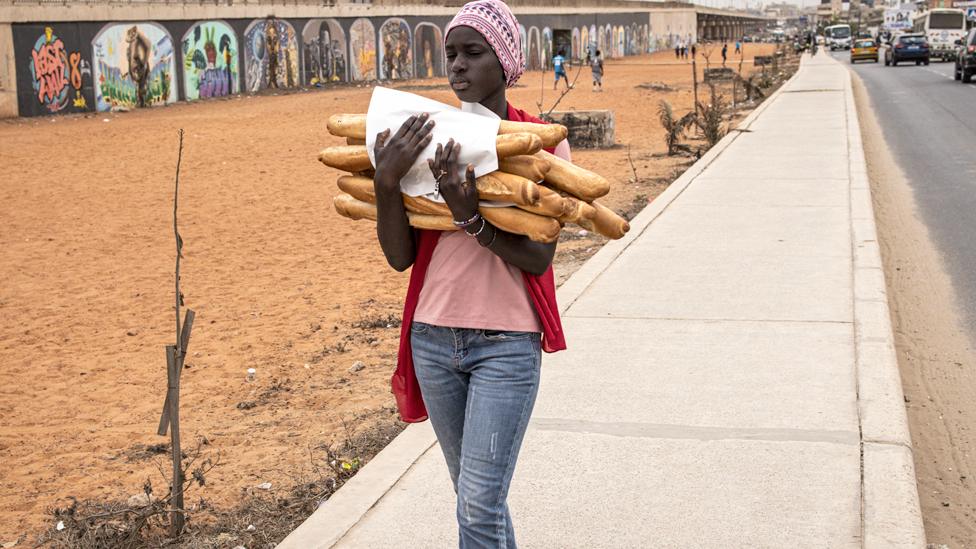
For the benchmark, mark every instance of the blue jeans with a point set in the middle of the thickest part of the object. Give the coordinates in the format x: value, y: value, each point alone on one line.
x: 479, y: 387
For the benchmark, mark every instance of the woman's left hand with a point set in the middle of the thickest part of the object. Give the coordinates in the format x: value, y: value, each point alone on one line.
x: 460, y: 193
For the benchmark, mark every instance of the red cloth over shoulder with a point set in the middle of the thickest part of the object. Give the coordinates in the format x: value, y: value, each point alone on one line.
x: 542, y: 291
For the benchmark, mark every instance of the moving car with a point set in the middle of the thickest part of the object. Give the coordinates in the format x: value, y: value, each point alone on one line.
x: 864, y: 50
x: 908, y: 47
x: 966, y: 57
x: 942, y: 27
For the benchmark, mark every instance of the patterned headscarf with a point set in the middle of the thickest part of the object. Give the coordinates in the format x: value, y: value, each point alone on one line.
x: 495, y: 21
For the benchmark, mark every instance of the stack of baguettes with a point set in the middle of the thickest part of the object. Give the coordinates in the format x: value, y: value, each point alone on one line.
x: 546, y: 190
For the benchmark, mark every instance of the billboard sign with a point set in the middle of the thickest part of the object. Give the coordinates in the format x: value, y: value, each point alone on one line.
x: 899, y: 18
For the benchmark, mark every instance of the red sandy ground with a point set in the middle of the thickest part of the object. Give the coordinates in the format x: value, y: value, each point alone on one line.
x: 276, y: 277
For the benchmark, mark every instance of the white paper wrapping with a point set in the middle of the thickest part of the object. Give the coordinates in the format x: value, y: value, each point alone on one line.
x: 475, y: 127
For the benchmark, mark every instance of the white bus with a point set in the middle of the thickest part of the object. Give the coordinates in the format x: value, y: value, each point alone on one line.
x: 942, y: 27
x: 838, y: 37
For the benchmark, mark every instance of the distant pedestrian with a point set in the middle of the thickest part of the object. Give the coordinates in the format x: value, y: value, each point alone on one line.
x: 725, y: 53
x: 684, y: 51
x: 694, y: 51
x: 738, y: 47
x: 596, y: 67
x: 677, y: 50
x: 559, y: 66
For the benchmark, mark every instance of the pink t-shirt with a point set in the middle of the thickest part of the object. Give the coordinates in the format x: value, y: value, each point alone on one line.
x: 468, y: 286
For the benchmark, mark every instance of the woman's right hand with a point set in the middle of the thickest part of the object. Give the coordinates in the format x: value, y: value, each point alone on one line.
x: 395, y: 155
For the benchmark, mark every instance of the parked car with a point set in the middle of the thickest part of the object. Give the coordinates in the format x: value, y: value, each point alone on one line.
x: 908, y: 47
x: 966, y: 57
x: 864, y: 50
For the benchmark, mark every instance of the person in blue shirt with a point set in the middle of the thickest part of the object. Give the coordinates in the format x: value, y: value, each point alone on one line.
x: 559, y: 66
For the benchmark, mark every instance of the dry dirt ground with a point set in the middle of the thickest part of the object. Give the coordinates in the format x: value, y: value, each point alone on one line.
x: 280, y: 283
x: 935, y: 356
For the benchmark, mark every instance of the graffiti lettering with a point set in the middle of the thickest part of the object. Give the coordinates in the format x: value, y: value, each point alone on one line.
x: 74, y: 60
x: 214, y: 83
x: 50, y: 73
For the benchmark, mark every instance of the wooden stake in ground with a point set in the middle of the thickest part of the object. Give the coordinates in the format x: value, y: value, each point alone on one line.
x: 175, y: 356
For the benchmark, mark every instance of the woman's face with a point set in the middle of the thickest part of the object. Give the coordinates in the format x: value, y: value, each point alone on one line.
x: 473, y: 67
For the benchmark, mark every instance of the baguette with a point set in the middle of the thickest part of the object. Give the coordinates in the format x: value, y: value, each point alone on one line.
x: 354, y: 126
x: 537, y: 227
x: 348, y: 158
x: 348, y: 206
x: 506, y: 187
x: 515, y: 144
x: 529, y: 167
x: 605, y: 222
x: 577, y: 211
x: 579, y: 182
x: 347, y: 125
x: 494, y: 186
x: 550, y: 204
x: 353, y: 158
x: 551, y: 134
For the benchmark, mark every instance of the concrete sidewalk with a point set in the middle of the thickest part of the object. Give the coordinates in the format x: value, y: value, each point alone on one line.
x: 731, y: 379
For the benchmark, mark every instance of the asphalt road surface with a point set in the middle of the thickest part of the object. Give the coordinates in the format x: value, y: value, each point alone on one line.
x: 929, y: 123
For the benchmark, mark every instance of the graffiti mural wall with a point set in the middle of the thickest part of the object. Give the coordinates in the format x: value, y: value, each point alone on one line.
x: 396, y: 58
x: 210, y: 61
x: 547, y: 53
x: 56, y: 77
x: 428, y: 52
x: 86, y: 66
x: 271, y: 55
x: 362, y: 50
x: 134, y: 66
x: 525, y: 43
x: 324, y: 49
x: 533, y: 56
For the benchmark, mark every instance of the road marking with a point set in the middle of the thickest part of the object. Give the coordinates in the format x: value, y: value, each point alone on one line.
x: 933, y: 71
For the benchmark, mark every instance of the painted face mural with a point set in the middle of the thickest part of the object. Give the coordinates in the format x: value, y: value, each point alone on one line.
x: 210, y: 61
x: 362, y: 50
x: 324, y: 47
x: 428, y: 51
x: 585, y: 48
x: 270, y: 54
x: 135, y: 66
x: 396, y: 60
x: 535, y: 50
x: 576, y: 44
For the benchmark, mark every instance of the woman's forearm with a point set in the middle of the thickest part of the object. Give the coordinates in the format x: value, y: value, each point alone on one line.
x: 532, y: 257
x: 392, y: 227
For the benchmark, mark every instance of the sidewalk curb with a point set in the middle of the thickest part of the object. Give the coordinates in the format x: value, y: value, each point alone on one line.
x: 890, y: 512
x: 348, y: 505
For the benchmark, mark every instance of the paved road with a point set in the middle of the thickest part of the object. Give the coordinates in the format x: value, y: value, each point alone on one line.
x: 929, y: 121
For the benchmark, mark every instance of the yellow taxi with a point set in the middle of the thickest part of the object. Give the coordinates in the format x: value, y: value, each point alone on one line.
x: 864, y: 49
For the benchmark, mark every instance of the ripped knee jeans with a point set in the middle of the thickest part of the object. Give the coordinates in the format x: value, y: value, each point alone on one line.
x: 479, y: 387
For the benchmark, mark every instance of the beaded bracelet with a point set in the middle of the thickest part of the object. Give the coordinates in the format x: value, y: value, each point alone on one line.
x: 494, y: 233
x: 483, y: 225
x: 468, y: 223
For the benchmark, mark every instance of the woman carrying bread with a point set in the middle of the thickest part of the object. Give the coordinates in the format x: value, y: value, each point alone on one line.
x: 481, y: 304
